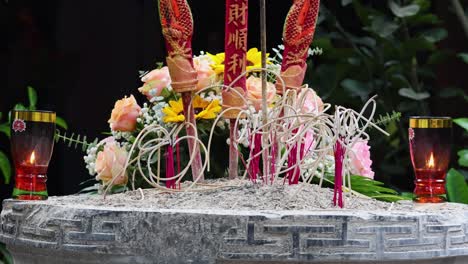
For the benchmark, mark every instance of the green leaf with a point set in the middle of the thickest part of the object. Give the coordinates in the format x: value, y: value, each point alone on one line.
x: 323, y: 43
x: 32, y: 96
x: 426, y: 19
x: 389, y: 198
x: 435, y: 35
x: 408, y: 195
x: 371, y: 188
x: 383, y: 27
x: 5, y: 167
x: 464, y: 57
x: 439, y: 57
x: 411, y: 94
x: 61, y: 123
x: 403, y: 11
x: 449, y: 92
x: 415, y: 45
x: 5, y: 129
x: 90, y: 189
x: 20, y: 107
x: 425, y: 5
x: 463, y: 122
x: 457, y: 190
x: 346, y: 2
x: 463, y: 157
x: 6, y: 254
x: 356, y: 88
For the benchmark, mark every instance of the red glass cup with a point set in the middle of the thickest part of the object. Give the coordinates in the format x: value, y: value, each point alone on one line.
x: 430, y: 140
x: 32, y: 143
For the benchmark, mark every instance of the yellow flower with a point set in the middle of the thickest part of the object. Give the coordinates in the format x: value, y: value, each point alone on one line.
x: 174, y: 112
x: 218, y: 62
x: 205, y: 109
x: 254, y: 60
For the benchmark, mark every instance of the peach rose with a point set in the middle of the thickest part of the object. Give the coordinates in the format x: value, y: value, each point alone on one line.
x: 155, y: 81
x: 312, y: 103
x: 360, y: 159
x: 254, y: 92
x: 124, y: 114
x: 110, y: 163
x: 205, y: 73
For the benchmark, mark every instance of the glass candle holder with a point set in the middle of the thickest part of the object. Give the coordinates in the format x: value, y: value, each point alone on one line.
x: 430, y: 140
x: 32, y: 143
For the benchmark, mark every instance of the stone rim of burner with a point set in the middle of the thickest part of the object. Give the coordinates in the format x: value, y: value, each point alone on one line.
x: 119, y: 235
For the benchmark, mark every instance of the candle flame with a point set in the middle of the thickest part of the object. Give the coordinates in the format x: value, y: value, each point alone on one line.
x: 431, y: 163
x: 32, y: 159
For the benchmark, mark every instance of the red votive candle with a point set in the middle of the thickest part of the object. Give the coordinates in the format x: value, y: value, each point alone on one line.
x: 430, y: 140
x: 32, y: 143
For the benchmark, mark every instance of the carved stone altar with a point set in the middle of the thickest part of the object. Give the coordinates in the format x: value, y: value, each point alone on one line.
x: 41, y: 232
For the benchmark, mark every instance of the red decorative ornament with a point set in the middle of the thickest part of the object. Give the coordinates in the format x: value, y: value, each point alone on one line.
x: 19, y: 125
x: 298, y: 34
x: 177, y: 27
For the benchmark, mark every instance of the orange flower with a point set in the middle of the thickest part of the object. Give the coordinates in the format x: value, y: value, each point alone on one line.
x: 254, y: 92
x: 110, y: 163
x: 125, y: 114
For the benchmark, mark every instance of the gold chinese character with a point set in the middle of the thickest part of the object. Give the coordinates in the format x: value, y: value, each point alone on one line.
x: 238, y: 13
x: 235, y: 65
x: 238, y: 38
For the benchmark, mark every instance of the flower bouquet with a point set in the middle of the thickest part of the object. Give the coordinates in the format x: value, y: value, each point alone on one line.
x: 277, y: 130
x: 118, y: 158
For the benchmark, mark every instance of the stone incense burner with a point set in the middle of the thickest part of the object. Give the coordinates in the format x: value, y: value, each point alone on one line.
x: 69, y: 230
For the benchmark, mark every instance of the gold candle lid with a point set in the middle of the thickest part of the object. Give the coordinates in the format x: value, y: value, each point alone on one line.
x: 430, y: 122
x: 34, y: 116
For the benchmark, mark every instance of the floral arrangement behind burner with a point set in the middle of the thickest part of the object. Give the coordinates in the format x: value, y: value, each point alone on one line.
x: 115, y: 162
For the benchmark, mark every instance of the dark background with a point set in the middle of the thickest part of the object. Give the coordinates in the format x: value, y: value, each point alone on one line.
x: 81, y: 56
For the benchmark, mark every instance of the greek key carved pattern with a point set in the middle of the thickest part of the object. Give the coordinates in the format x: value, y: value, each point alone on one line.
x: 309, y: 238
x: 18, y: 223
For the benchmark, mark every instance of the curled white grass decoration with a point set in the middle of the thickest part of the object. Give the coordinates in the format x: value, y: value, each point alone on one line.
x: 287, y: 126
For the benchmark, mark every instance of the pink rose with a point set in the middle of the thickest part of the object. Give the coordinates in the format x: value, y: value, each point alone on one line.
x: 309, y: 141
x: 205, y: 73
x: 360, y: 159
x: 312, y: 103
x: 110, y: 163
x: 254, y: 92
x: 124, y: 115
x: 155, y: 81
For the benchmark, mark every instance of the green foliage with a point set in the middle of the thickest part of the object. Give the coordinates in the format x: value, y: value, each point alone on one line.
x: 457, y: 190
x: 464, y: 57
x: 463, y: 157
x: 74, y: 140
x: 385, y: 48
x: 5, y: 167
x: 32, y: 96
x: 371, y: 188
x: 403, y: 11
x: 387, y: 118
x: 61, y: 123
x: 5, y: 256
x: 462, y: 154
x: 463, y: 122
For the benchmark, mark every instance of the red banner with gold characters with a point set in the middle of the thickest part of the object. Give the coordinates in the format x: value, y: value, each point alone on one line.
x: 235, y: 43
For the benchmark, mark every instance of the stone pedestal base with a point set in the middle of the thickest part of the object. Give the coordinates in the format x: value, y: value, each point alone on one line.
x: 43, y: 232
